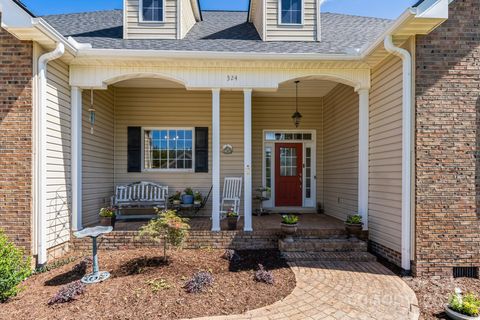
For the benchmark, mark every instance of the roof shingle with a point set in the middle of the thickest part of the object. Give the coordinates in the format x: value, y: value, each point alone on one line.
x: 221, y: 31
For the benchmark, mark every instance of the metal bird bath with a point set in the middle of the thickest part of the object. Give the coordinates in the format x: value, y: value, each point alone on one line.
x: 96, y: 276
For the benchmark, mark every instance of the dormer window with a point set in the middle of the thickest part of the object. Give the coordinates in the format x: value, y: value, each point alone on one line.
x: 291, y: 12
x: 152, y: 10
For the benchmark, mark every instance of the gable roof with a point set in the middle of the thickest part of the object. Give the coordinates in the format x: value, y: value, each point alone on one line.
x: 221, y: 31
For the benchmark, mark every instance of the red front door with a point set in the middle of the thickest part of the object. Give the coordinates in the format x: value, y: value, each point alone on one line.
x: 288, y: 174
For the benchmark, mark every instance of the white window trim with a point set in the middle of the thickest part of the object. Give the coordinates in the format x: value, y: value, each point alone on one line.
x: 192, y: 170
x: 291, y: 24
x: 312, y: 202
x: 140, y: 13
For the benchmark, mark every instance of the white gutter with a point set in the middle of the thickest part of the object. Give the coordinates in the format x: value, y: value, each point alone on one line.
x: 213, y: 55
x: 406, y: 148
x: 41, y: 157
x: 71, y: 46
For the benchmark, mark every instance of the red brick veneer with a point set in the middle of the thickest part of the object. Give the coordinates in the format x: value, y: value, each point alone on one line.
x: 16, y: 139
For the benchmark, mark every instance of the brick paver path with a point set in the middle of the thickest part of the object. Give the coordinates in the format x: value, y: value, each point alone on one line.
x: 341, y: 290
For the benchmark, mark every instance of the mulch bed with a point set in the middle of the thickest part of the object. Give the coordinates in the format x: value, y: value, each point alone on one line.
x: 433, y: 294
x: 127, y: 295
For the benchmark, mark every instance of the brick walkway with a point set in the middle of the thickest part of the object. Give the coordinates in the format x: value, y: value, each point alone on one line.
x: 341, y: 290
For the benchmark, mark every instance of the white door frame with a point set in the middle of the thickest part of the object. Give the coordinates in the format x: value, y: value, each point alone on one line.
x: 310, y: 203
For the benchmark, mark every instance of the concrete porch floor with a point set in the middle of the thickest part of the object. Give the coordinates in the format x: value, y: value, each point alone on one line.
x: 271, y: 222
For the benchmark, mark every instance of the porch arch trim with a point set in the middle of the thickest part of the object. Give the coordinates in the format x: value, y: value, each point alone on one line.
x: 206, y: 78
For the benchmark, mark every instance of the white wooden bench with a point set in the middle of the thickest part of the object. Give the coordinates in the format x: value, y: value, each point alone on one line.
x: 139, y: 195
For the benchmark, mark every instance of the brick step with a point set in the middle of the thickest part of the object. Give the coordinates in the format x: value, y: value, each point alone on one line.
x: 323, y: 245
x: 328, y: 256
x: 321, y: 234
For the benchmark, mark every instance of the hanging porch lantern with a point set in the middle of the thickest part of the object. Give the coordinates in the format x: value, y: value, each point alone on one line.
x: 297, y: 116
x: 92, y: 111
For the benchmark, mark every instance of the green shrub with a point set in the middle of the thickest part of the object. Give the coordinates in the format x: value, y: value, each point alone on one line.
x: 355, y: 219
x: 290, y: 219
x: 14, y: 268
x: 468, y: 305
x: 168, y: 227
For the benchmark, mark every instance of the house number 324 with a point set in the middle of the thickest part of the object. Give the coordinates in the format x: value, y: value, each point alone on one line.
x: 232, y: 77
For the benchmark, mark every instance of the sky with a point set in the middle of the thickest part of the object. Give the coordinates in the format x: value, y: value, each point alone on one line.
x: 372, y: 8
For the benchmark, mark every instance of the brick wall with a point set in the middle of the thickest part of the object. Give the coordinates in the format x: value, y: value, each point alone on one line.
x: 447, y: 141
x: 123, y: 240
x: 16, y: 139
x: 385, y: 253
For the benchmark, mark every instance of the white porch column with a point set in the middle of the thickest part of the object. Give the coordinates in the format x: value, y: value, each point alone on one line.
x: 76, y: 97
x: 216, y: 159
x: 247, y: 142
x: 363, y: 136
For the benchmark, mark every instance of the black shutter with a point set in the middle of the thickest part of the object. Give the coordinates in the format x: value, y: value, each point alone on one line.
x: 134, y: 149
x: 201, y: 149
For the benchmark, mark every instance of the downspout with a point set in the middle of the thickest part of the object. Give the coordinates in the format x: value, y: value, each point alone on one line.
x: 41, y: 167
x: 406, y: 148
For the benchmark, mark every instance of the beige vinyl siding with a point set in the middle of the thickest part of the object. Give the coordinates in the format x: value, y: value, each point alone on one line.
x: 97, y: 154
x: 275, y: 114
x: 340, y: 148
x: 385, y: 157
x: 150, y: 30
x: 162, y: 108
x: 231, y: 132
x: 187, y: 17
x: 58, y: 154
x: 257, y: 16
x: 278, y: 32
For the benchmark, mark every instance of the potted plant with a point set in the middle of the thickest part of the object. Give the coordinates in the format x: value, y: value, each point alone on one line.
x: 463, y: 307
x: 289, y: 226
x: 232, y: 219
x: 176, y: 198
x: 197, y: 199
x: 188, y: 196
x: 354, y: 225
x: 107, y: 217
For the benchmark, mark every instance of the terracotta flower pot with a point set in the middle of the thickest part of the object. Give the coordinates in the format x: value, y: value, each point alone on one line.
x: 354, y: 229
x: 232, y: 223
x: 289, y: 231
x: 107, y: 221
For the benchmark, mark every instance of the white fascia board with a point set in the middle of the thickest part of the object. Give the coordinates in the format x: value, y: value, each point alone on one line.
x: 405, y: 17
x: 13, y: 16
x: 196, y: 10
x: 173, y: 54
x: 57, y: 37
x: 437, y: 9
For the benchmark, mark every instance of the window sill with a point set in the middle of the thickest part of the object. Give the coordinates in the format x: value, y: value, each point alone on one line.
x: 151, y: 22
x: 290, y: 24
x: 168, y: 171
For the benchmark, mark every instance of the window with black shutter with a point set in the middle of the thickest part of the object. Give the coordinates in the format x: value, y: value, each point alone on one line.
x: 201, y: 149
x: 134, y: 149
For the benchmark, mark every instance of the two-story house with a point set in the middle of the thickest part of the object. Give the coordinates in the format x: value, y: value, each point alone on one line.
x: 317, y: 108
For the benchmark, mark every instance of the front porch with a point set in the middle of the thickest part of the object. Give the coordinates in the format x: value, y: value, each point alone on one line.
x: 148, y: 129
x: 309, y: 222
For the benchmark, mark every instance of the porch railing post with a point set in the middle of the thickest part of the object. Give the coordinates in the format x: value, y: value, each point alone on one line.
x: 216, y: 159
x: 363, y: 150
x: 76, y: 136
x: 247, y: 130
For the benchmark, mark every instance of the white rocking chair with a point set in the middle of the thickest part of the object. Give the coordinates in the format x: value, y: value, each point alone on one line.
x: 232, y: 193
